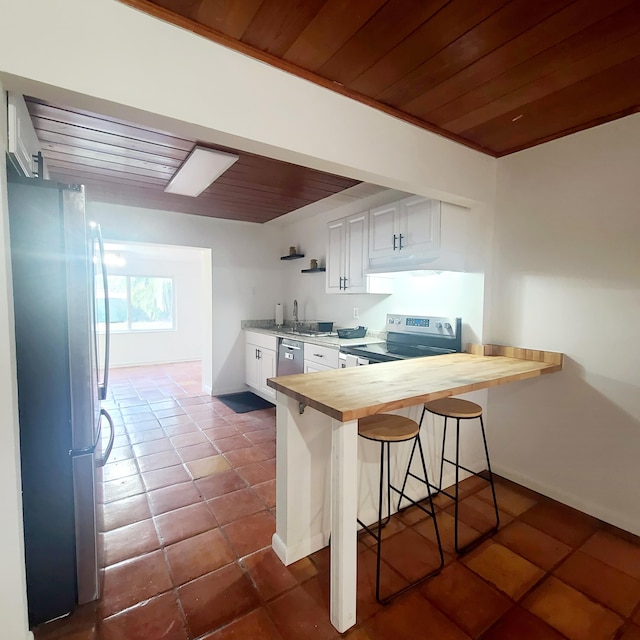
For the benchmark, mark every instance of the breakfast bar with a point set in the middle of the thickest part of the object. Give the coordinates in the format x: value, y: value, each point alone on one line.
x: 317, y: 444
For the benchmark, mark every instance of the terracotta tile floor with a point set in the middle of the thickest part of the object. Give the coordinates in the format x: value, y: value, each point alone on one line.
x: 187, y: 518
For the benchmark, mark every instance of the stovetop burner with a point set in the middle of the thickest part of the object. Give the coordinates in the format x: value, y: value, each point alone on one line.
x: 413, y: 337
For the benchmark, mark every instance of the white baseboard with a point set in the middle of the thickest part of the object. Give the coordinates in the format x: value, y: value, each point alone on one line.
x: 223, y: 391
x: 151, y: 363
x: 289, y: 555
x: 629, y: 522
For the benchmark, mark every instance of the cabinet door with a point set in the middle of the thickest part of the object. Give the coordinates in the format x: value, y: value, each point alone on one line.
x: 267, y: 367
x: 357, y: 255
x: 335, y: 255
x: 251, y: 376
x: 382, y: 229
x: 311, y: 367
x: 419, y: 226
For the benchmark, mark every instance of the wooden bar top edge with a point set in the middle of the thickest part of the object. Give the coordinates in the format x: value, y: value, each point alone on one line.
x: 545, y: 362
x: 550, y: 357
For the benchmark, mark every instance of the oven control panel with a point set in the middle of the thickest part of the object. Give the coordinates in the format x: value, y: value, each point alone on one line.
x: 431, y: 325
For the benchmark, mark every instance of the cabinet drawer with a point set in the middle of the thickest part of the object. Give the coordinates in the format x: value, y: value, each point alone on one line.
x: 261, y: 340
x: 326, y: 356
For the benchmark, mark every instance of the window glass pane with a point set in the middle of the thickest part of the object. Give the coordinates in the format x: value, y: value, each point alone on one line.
x: 118, y: 306
x: 151, y: 303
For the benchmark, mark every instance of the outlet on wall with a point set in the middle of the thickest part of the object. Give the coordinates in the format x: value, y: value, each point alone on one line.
x: 355, y: 312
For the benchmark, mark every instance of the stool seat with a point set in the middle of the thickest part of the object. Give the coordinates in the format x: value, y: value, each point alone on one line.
x: 386, y: 427
x: 454, y: 408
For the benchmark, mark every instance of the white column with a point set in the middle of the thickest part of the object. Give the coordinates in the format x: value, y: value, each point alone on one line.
x: 303, y: 453
x: 344, y: 504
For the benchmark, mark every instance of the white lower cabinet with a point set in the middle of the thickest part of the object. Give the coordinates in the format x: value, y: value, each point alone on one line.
x: 319, y: 358
x: 311, y: 367
x: 260, y: 363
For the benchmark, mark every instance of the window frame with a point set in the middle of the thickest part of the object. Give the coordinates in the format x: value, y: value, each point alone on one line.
x: 129, y: 328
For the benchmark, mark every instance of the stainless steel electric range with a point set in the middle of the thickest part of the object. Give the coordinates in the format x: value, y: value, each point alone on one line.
x: 410, y: 337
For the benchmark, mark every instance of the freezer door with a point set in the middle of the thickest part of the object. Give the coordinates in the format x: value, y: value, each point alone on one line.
x: 100, y: 297
x: 85, y: 403
x: 85, y: 393
x: 84, y: 483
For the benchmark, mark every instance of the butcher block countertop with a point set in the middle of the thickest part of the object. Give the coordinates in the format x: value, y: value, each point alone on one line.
x: 349, y: 394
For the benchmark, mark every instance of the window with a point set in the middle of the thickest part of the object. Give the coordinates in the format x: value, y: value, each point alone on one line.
x: 137, y: 303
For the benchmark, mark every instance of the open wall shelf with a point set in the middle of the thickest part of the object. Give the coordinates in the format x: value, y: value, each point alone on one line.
x: 293, y: 256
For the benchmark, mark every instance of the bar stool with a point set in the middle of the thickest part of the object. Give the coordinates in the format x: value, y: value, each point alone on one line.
x: 386, y: 429
x: 460, y: 410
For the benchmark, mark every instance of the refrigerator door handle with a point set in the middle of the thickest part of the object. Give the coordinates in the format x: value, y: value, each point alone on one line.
x: 112, y: 435
x: 102, y: 388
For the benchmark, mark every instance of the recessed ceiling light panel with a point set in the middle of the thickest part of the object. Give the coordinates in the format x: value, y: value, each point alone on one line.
x: 201, y: 167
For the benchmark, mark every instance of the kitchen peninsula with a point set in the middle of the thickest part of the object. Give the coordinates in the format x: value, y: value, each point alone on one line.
x: 317, y: 444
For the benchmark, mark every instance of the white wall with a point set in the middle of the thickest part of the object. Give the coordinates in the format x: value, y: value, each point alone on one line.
x: 567, y: 278
x: 13, y: 590
x: 245, y: 275
x: 184, y: 342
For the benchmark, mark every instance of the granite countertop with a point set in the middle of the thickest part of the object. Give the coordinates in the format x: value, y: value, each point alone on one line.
x: 371, y: 337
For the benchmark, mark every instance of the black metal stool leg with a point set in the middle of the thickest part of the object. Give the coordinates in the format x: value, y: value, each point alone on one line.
x: 380, y: 521
x: 430, y: 512
x: 493, y: 488
x: 433, y: 512
x: 455, y: 531
x: 408, y: 473
x: 444, y: 439
x: 376, y: 531
x: 490, y: 532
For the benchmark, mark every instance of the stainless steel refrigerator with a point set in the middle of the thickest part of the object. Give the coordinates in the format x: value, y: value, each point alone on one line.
x: 62, y: 370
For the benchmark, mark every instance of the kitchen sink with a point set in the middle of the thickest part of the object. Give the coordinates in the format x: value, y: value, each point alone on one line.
x: 305, y: 332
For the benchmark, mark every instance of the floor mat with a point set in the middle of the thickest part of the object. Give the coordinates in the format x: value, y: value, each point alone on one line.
x: 244, y: 401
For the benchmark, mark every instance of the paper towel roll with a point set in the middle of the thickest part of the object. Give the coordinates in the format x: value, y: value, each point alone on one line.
x: 279, y: 314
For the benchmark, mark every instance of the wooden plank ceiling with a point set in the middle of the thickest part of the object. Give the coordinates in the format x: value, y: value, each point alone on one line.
x: 122, y: 163
x: 496, y: 75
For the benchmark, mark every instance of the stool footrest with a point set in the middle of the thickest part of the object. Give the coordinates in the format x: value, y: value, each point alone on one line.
x: 368, y: 530
x: 412, y: 501
x: 475, y: 473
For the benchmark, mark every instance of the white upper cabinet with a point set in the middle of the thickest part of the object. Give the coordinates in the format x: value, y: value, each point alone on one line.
x: 356, y: 258
x: 412, y: 233
x: 382, y: 230
x: 419, y: 227
x: 347, y: 254
x: 336, y: 255
x: 407, y: 230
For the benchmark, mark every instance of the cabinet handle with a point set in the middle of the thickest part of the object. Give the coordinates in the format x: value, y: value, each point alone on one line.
x: 318, y: 355
x: 258, y: 354
x: 395, y: 239
x: 345, y: 284
x: 400, y: 246
x: 341, y: 279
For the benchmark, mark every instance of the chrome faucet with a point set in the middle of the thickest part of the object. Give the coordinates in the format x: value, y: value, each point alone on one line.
x: 295, y: 314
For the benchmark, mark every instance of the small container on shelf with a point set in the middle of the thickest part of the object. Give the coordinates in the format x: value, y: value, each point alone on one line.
x: 313, y: 263
x: 293, y: 251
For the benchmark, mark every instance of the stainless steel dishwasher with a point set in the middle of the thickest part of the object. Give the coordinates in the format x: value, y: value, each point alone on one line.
x: 290, y: 357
